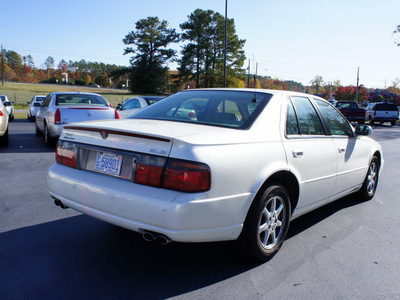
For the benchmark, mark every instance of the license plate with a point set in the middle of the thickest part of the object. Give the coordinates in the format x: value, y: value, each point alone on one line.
x: 108, y: 163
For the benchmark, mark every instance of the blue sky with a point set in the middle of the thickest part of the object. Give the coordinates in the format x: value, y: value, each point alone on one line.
x: 290, y: 39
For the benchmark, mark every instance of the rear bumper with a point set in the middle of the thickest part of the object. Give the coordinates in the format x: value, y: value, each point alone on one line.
x: 182, y: 217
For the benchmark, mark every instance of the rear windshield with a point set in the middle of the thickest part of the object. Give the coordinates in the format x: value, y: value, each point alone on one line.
x: 233, y: 109
x: 80, y: 99
x: 152, y: 100
x: 346, y: 105
x: 386, y: 107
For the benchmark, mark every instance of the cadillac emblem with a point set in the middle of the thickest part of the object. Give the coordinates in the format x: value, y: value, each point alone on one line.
x: 104, y: 134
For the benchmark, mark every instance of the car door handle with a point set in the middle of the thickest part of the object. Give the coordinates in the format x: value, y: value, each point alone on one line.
x: 297, y: 154
x: 341, y: 150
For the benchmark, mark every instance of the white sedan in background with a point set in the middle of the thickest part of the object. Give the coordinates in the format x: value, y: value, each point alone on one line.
x: 133, y: 105
x: 34, y: 105
x: 3, y: 125
x: 242, y: 169
x: 64, y: 108
x: 9, y: 106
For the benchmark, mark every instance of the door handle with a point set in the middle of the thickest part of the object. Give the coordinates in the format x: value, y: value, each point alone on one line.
x: 297, y: 154
x: 342, y: 150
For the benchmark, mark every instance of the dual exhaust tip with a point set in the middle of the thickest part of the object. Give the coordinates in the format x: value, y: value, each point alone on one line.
x: 59, y: 203
x: 150, y: 236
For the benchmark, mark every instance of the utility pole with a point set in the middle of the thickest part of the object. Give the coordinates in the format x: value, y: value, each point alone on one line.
x: 2, y: 65
x: 248, y: 75
x: 358, y: 76
x: 225, y: 42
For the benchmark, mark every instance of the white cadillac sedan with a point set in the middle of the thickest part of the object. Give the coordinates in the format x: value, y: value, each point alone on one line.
x: 241, y: 167
x: 62, y: 108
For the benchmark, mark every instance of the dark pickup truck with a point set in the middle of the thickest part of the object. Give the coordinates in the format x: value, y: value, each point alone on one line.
x: 351, y: 111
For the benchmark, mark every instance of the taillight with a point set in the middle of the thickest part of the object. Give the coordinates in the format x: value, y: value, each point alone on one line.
x: 149, y: 170
x: 374, y: 113
x: 192, y: 115
x: 179, y: 175
x: 116, y: 114
x: 1, y: 113
x: 57, y: 117
x: 187, y: 176
x: 66, y: 154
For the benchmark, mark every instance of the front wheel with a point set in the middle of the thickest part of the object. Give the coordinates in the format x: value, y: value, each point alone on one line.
x: 370, y: 183
x: 267, y: 223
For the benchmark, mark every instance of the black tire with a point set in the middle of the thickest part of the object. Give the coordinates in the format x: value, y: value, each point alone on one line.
x: 371, y: 121
x: 361, y: 122
x: 49, y: 141
x: 37, y: 131
x: 267, y: 223
x: 4, y: 140
x: 393, y: 123
x: 370, y: 183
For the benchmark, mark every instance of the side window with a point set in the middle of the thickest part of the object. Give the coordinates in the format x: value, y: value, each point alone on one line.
x: 47, y: 100
x: 131, y: 104
x: 291, y: 122
x: 309, y: 122
x: 337, y: 123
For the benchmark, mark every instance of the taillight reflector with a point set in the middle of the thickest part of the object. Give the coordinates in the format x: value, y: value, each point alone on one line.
x: 57, y: 117
x: 65, y: 155
x: 116, y: 114
x: 187, y: 176
x: 1, y: 113
x: 148, y: 175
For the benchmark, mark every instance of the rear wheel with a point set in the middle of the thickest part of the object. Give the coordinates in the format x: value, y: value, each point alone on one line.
x: 393, y: 123
x: 47, y: 138
x: 37, y: 131
x: 267, y: 223
x: 370, y: 183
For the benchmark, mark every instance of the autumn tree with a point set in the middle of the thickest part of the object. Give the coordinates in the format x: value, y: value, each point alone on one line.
x: 149, y: 42
x: 349, y: 93
x: 317, y: 83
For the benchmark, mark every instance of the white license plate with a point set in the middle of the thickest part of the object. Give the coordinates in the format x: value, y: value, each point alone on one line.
x: 108, y: 163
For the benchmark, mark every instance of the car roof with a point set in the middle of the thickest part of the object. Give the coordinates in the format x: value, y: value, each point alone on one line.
x: 74, y: 93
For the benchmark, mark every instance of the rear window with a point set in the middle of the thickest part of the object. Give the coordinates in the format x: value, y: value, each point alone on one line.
x: 80, y: 99
x: 346, y: 105
x: 40, y: 99
x: 233, y: 109
x: 152, y: 100
x: 386, y: 107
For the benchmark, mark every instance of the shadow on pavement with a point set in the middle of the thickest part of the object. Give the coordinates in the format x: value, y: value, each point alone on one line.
x: 81, y: 257
x: 22, y: 139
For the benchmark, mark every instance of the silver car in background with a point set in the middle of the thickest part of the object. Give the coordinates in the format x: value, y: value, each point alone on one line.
x: 9, y: 106
x: 133, y: 105
x: 33, y: 108
x: 61, y: 108
x: 3, y: 125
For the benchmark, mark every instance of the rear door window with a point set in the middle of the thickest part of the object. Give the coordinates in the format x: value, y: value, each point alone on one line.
x: 308, y: 119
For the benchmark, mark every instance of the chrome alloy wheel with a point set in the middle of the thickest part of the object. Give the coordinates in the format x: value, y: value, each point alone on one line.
x: 272, y: 221
x: 372, y: 178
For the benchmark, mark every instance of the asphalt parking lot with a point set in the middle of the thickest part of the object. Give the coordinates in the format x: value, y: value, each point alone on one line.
x: 346, y: 250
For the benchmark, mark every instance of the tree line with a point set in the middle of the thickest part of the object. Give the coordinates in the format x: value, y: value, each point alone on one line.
x: 199, y: 63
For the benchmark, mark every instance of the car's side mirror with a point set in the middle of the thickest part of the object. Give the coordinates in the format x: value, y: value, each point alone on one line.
x: 118, y: 106
x: 7, y: 103
x: 363, y: 130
